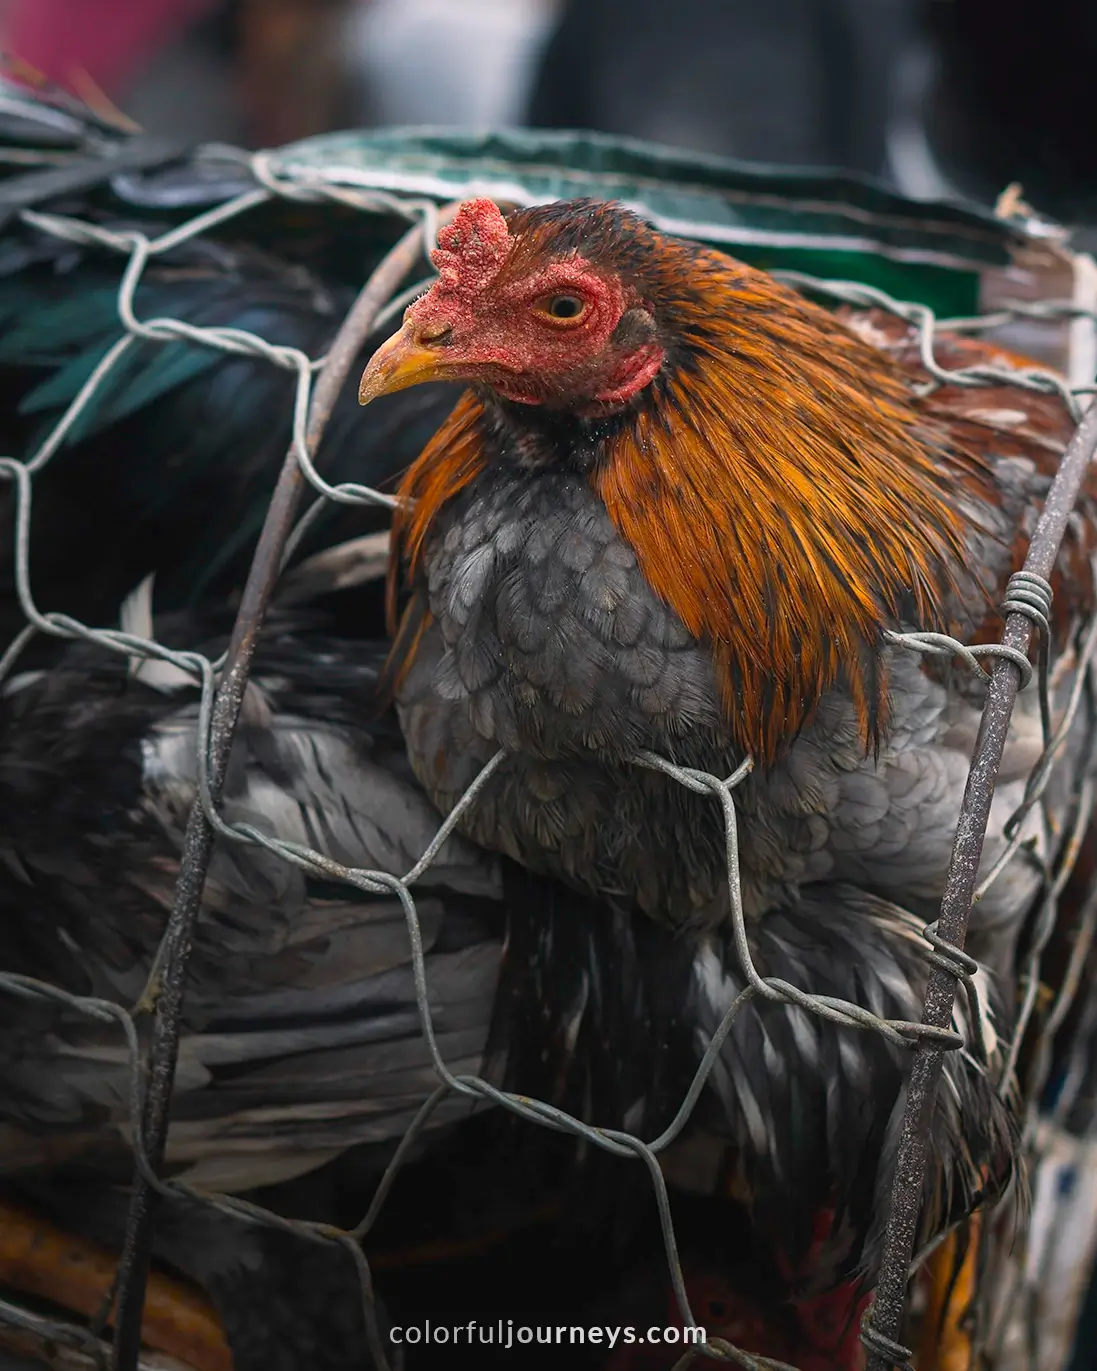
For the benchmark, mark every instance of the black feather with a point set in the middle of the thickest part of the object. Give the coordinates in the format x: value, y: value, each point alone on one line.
x: 171, y: 466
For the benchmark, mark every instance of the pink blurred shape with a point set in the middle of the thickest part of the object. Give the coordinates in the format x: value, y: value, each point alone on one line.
x: 108, y: 40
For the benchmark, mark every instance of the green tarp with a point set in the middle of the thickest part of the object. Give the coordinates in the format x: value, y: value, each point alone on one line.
x: 826, y: 223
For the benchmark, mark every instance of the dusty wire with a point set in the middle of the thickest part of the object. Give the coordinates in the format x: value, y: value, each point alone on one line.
x: 884, y: 1322
x: 213, y: 764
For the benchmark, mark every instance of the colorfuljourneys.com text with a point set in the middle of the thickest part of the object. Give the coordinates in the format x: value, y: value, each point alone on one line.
x: 505, y: 1333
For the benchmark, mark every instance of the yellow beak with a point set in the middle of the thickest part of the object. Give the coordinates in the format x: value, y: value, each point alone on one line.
x: 401, y: 362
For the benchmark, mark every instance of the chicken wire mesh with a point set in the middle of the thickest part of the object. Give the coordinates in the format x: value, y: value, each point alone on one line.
x: 316, y: 381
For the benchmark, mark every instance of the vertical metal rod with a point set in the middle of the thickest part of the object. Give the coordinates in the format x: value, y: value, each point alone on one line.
x: 198, y: 843
x: 889, y: 1302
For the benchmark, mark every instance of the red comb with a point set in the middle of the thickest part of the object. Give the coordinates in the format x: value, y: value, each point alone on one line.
x: 472, y: 248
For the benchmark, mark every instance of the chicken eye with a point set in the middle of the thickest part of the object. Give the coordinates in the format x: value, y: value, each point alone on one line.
x: 565, y: 306
x: 564, y: 309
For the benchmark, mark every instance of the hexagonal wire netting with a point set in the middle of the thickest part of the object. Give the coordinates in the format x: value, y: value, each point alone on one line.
x: 317, y: 381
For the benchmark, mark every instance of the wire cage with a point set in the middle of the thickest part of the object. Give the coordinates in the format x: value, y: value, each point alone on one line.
x: 1010, y: 277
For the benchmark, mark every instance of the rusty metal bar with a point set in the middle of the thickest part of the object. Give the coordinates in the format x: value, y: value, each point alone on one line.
x: 198, y: 843
x: 884, y: 1323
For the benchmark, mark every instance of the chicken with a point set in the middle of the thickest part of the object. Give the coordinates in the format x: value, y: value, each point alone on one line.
x: 719, y: 501
x: 682, y: 510
x: 98, y: 777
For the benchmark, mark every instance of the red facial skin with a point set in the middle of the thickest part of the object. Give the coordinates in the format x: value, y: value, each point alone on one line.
x: 496, y: 325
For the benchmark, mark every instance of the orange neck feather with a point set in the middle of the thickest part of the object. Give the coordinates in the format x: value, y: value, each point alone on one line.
x: 788, y: 500
x: 452, y: 458
x: 783, y: 494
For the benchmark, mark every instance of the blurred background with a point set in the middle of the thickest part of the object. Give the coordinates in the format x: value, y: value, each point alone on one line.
x: 940, y: 97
